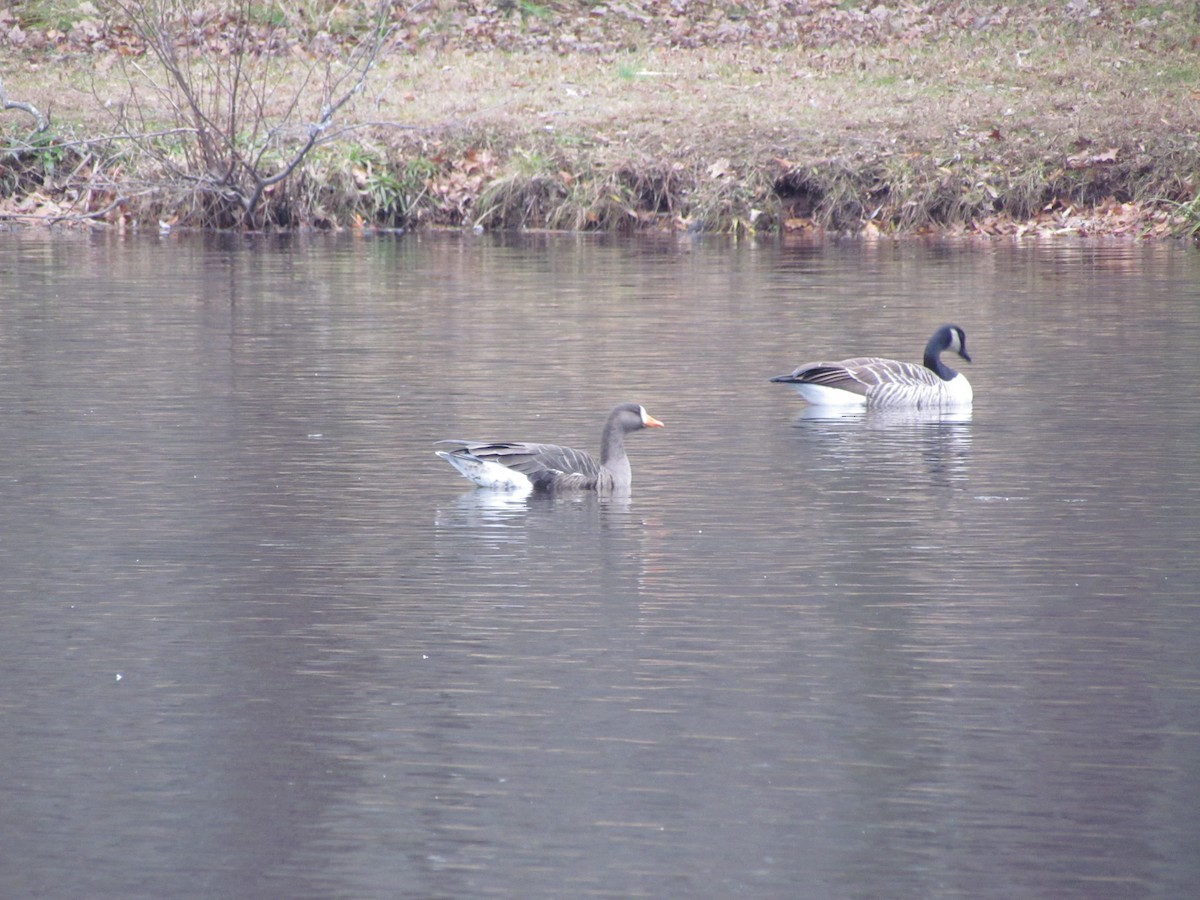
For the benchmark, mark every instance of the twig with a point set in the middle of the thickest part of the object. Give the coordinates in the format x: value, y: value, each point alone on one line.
x: 42, y: 122
x: 113, y: 138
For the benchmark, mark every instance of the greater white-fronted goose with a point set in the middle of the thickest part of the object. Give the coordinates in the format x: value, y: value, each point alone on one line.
x: 517, y: 465
x: 878, y: 382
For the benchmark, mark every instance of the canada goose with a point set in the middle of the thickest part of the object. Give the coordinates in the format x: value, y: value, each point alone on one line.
x: 873, y: 381
x: 516, y: 465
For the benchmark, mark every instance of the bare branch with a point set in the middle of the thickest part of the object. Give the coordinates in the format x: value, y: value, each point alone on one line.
x: 42, y: 122
x: 360, y: 66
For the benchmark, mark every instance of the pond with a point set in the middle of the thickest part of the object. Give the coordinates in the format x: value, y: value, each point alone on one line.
x: 258, y: 640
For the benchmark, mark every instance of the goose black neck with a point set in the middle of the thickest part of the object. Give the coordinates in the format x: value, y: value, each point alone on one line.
x: 933, y: 357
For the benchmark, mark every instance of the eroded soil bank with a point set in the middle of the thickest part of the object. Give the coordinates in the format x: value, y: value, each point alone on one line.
x: 873, y: 118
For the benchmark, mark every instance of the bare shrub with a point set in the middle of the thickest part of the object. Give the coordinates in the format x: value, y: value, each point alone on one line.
x: 239, y: 120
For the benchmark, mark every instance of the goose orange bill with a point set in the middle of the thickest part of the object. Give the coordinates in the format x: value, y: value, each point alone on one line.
x: 651, y: 422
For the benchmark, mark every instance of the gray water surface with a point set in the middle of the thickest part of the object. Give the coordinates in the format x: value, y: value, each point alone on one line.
x: 257, y: 640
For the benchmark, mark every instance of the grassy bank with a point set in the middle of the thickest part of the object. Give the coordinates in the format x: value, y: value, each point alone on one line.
x: 949, y: 117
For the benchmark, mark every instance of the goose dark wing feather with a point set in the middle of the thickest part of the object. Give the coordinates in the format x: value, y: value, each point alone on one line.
x: 834, y: 375
x: 568, y: 460
x: 539, y: 462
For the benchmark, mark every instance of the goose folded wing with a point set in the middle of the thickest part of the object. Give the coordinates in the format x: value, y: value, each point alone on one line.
x: 537, y: 461
x: 864, y: 372
x: 833, y: 375
x: 889, y: 371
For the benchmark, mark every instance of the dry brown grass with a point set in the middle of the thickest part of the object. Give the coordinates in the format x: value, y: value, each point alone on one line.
x: 1039, y: 120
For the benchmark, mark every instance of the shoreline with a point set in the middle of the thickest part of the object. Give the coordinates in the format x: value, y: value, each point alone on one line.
x: 808, y: 118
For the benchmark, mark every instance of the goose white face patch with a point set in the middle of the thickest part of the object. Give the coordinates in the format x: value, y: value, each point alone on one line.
x: 648, y: 421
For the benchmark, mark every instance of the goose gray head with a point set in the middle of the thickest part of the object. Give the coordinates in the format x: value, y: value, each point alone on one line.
x: 624, y: 418
x: 632, y: 416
